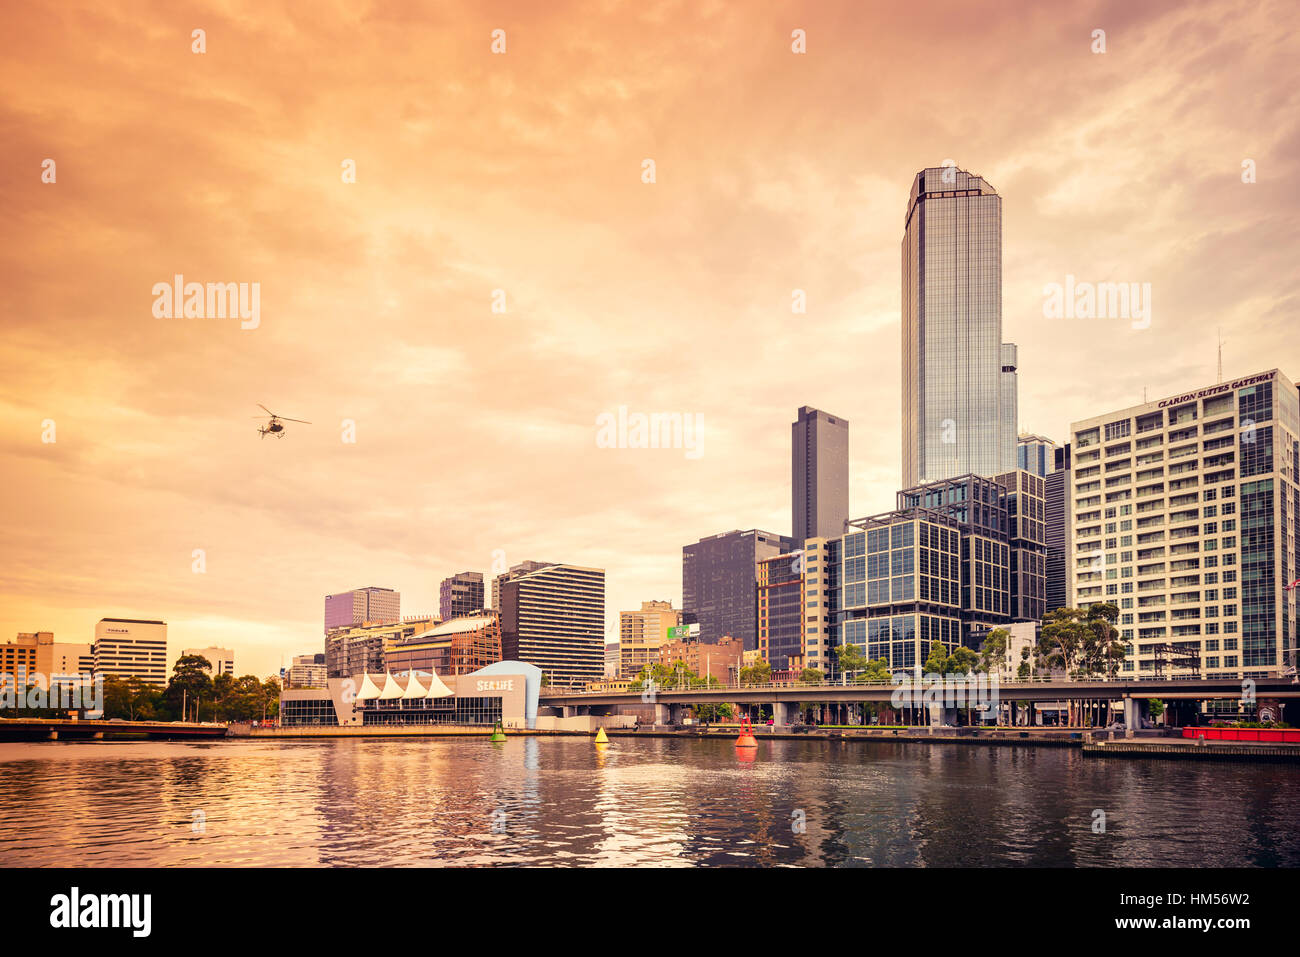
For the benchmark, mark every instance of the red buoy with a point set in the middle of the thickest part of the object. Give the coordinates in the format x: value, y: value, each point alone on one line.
x: 746, y: 739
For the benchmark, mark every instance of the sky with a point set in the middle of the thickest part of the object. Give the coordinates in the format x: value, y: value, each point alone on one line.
x: 518, y: 179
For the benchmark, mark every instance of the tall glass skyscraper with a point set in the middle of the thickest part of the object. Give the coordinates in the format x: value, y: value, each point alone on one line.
x: 959, y: 377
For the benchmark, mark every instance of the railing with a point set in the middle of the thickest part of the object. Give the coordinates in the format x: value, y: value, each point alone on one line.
x: 875, y: 683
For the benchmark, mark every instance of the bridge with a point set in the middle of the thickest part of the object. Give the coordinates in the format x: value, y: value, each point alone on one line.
x: 669, y: 705
x: 86, y: 729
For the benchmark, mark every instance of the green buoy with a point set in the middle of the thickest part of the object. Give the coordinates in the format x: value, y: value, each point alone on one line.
x: 498, y: 733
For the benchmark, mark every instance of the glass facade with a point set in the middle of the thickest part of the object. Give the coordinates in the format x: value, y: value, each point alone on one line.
x: 720, y: 583
x: 956, y: 557
x: 959, y: 378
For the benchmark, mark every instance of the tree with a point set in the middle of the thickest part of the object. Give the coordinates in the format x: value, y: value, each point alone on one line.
x: 993, y: 651
x: 812, y: 675
x: 757, y: 673
x: 937, y: 661
x: 715, y: 712
x: 849, y: 658
x: 1060, y: 644
x: 962, y: 661
x: 877, y: 669
x: 190, y: 681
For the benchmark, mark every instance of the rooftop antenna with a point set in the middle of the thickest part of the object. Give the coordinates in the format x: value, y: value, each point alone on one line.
x: 1220, y: 334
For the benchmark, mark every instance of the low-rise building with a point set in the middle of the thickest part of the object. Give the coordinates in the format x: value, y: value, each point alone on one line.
x: 457, y: 647
x: 722, y: 660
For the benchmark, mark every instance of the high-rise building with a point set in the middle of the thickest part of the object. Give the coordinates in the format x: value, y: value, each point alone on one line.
x: 640, y: 633
x: 819, y: 474
x: 521, y: 568
x: 612, y: 658
x: 553, y: 617
x: 460, y: 594
x: 1057, y: 486
x: 959, y: 377
x: 131, y: 648
x: 720, y: 583
x: 781, y: 610
x: 222, y: 660
x: 1037, y: 454
x: 1185, y: 512
x: 360, y: 605
x: 1026, y: 502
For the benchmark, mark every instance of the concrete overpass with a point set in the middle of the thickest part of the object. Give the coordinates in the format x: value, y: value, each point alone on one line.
x: 784, y: 698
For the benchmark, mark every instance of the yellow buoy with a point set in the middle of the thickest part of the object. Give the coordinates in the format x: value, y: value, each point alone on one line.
x: 601, y: 737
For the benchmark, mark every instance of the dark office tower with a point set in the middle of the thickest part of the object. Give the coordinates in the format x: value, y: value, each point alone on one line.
x: 720, y: 582
x: 1058, y: 531
x: 554, y: 617
x: 959, y: 377
x: 1025, y: 498
x: 819, y: 477
x: 460, y: 595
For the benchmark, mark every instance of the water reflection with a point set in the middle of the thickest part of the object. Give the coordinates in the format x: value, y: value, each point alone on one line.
x: 563, y: 801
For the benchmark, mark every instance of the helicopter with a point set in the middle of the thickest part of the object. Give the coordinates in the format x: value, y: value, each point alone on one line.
x: 275, y: 425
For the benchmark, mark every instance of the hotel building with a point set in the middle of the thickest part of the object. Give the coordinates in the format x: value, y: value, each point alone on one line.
x: 1185, y: 512
x: 131, y: 648
x: 641, y: 633
x: 554, y: 617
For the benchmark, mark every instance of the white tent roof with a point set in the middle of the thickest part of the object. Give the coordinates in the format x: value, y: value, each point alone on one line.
x: 414, y: 689
x: 368, y: 691
x: 391, y: 690
x: 436, y: 688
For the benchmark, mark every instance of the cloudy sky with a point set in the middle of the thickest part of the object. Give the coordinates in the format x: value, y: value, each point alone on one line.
x: 522, y: 172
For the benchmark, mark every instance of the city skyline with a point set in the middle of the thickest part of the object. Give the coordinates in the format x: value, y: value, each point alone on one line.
x: 476, y: 431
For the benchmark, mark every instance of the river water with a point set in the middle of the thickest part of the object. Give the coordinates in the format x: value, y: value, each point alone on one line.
x: 652, y: 801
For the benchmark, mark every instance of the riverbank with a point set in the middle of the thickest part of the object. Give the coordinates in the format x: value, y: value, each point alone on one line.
x: 1193, y: 750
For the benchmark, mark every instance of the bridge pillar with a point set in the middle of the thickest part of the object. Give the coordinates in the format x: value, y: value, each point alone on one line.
x: 676, y: 712
x: 663, y: 714
x: 782, y: 714
x: 1132, y: 716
